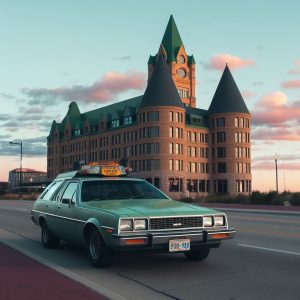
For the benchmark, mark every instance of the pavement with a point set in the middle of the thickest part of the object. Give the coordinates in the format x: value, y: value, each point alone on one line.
x: 251, y: 207
x: 22, y: 278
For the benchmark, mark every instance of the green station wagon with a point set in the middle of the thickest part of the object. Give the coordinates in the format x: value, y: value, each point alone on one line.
x: 108, y: 212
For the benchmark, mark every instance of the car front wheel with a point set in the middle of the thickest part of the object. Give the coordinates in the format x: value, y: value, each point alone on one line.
x: 100, y: 255
x: 48, y: 239
x: 200, y: 254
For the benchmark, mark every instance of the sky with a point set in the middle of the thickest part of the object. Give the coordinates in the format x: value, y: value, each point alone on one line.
x: 95, y: 53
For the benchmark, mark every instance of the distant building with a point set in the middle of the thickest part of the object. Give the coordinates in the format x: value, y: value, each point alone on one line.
x: 30, y: 179
x: 3, y: 186
x: 183, y: 150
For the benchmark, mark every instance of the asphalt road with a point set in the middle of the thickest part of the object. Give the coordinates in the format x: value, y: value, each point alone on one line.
x: 261, y: 262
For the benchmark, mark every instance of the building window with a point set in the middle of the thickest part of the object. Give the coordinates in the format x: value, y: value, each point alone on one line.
x: 183, y: 93
x: 171, y: 132
x: 222, y: 167
x: 76, y: 132
x: 175, y: 184
x: 128, y: 120
x: 115, y: 123
x: 212, y: 123
x: 156, y: 182
x: 171, y: 119
x: 221, y: 122
x: 236, y: 122
x: 221, y: 152
x: 221, y: 137
x: 222, y: 186
x: 192, y: 185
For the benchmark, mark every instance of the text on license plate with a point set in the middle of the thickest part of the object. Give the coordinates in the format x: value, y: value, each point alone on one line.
x: 179, y: 245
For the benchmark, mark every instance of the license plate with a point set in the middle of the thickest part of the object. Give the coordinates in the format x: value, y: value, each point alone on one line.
x: 179, y: 245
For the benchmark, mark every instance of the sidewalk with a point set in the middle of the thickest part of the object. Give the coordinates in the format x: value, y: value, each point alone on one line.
x: 22, y: 278
x: 278, y: 208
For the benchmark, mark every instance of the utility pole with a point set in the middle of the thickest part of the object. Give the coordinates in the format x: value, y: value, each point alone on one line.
x: 276, y: 158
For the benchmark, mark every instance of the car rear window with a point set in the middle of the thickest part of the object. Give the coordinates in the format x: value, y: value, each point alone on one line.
x: 47, y: 194
x: 95, y: 190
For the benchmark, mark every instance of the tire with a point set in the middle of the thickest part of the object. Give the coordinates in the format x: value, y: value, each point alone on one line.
x: 194, y: 255
x: 48, y: 239
x: 100, y: 254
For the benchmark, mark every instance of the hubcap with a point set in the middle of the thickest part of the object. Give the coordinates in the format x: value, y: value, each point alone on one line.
x: 95, y: 245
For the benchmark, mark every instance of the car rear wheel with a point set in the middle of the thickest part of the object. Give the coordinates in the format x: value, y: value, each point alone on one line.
x: 197, y: 254
x: 48, y: 239
x: 100, y: 254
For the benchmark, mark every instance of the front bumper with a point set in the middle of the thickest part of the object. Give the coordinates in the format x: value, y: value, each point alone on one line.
x: 160, y: 240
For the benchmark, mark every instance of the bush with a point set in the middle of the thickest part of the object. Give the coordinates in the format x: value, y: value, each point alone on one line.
x: 256, y: 198
x: 295, y: 199
x: 187, y: 200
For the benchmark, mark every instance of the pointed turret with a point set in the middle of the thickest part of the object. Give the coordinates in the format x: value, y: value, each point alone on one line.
x: 161, y: 90
x: 171, y: 40
x: 227, y: 97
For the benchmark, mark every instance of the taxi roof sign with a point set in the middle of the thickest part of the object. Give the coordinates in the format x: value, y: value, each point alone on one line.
x: 110, y: 169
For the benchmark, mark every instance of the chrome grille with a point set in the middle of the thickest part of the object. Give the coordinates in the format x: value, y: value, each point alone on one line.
x: 175, y: 223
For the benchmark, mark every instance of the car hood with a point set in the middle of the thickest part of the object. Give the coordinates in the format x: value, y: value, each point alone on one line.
x: 148, y: 207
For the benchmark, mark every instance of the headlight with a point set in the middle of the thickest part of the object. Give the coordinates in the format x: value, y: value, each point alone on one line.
x: 126, y: 225
x: 207, y: 221
x: 219, y: 221
x: 140, y: 224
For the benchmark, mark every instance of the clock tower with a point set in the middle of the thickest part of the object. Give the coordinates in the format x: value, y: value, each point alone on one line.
x: 181, y: 65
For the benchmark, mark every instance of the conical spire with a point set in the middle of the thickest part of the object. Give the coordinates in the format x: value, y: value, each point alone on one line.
x: 227, y: 97
x: 171, y: 40
x: 161, y: 90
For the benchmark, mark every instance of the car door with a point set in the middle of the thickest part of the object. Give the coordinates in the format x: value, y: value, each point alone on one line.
x: 67, y: 226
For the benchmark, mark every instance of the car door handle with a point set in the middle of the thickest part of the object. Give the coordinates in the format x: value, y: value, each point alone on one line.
x: 59, y: 206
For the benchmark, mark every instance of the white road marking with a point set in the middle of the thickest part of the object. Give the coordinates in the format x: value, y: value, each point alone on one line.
x: 269, y: 249
x: 11, y: 208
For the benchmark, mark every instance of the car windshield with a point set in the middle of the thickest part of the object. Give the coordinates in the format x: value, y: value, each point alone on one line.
x: 97, y: 190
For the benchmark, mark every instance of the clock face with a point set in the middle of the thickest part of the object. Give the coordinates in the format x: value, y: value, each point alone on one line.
x: 181, y: 73
x: 181, y: 59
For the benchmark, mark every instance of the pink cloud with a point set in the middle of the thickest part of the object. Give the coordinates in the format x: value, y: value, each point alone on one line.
x: 279, y: 134
x: 104, y: 90
x: 291, y: 84
x: 219, y: 61
x: 247, y: 94
x: 296, y: 69
x: 273, y: 110
x: 271, y: 166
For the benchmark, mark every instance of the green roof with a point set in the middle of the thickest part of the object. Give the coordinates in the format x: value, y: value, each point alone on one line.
x: 227, y: 98
x: 106, y: 111
x: 191, y: 60
x: 161, y: 89
x: 171, y: 40
x: 152, y: 60
x: 109, y: 112
x: 196, y: 117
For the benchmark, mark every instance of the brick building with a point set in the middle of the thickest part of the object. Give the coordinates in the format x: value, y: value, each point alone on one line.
x: 183, y: 150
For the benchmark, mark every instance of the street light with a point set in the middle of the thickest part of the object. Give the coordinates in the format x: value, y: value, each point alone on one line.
x: 20, y: 173
x: 276, y: 158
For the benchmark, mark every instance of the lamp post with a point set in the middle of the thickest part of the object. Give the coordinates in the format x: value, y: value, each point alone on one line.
x: 20, y: 173
x: 276, y: 158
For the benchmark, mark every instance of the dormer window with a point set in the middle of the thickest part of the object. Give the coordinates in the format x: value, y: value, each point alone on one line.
x: 76, y: 132
x: 94, y: 128
x: 115, y: 123
x: 127, y: 120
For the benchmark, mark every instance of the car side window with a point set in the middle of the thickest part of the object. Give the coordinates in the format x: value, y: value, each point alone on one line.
x: 69, y: 193
x: 50, y: 190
